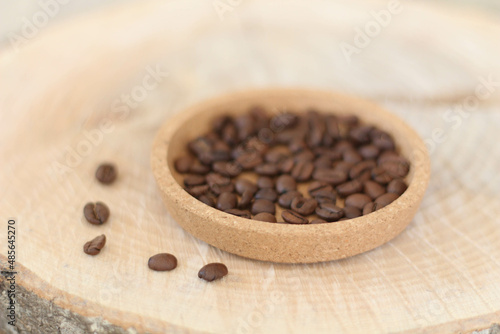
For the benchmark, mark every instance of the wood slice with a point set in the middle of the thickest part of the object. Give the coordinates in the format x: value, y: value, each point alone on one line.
x: 63, y: 111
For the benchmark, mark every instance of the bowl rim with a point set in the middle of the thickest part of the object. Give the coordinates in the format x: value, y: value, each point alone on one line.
x: 169, y: 186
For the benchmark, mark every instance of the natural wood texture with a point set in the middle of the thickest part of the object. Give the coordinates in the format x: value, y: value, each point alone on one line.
x: 278, y: 242
x: 439, y: 275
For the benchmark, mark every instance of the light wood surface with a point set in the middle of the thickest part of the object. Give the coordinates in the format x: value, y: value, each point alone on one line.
x: 440, y: 275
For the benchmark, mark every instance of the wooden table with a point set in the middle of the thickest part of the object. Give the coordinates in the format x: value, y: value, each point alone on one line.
x: 63, y: 110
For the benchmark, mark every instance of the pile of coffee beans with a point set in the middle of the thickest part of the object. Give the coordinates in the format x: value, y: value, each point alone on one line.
x: 306, y: 168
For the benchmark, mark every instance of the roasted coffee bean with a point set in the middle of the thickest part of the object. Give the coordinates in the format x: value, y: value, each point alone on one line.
x: 343, y: 219
x: 369, y: 208
x: 373, y: 189
x: 285, y: 183
x: 332, y: 126
x: 286, y: 199
x: 291, y: 217
x: 277, y: 154
x: 219, y: 183
x: 263, y: 205
x: 230, y: 134
x: 380, y: 175
x: 199, y: 168
x: 106, y: 173
x: 349, y: 188
x: 349, y: 120
x: 326, y: 197
x: 265, y: 217
x: 200, y: 146
x: 246, y: 199
x: 317, y: 187
x: 260, y: 118
x: 385, y: 200
x: 267, y: 169
x: 227, y: 168
x: 226, y: 201
x: 369, y: 151
x: 96, y: 213
x: 302, y: 171
x: 194, y: 180
x: 197, y: 191
x: 208, y: 200
x: 249, y: 160
x: 162, y: 262
x: 382, y: 140
x: 330, y: 176
x: 283, y: 121
x: 267, y: 193
x: 94, y: 246
x: 387, y: 156
x: 323, y: 163
x: 352, y: 156
x: 297, y: 145
x: 329, y: 212
x: 361, y: 167
x: 343, y: 166
x: 328, y: 153
x: 265, y: 182
x: 351, y: 212
x: 305, y: 155
x: 213, y: 271
x: 318, y: 221
x: 342, y: 146
x: 304, y: 206
x: 287, y: 165
x: 361, y: 134
x: 317, y: 128
x: 397, y: 186
x: 220, y: 122
x: 243, y: 185
x: 396, y: 169
x: 357, y: 200
x: 183, y: 164
x: 239, y: 213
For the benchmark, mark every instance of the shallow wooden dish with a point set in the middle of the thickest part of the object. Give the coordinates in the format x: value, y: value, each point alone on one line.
x: 284, y: 242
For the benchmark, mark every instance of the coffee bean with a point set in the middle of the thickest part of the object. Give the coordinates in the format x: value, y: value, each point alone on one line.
x: 219, y: 183
x: 199, y: 168
x: 317, y: 186
x: 243, y: 185
x: 96, y: 213
x: 226, y: 201
x: 373, y: 189
x: 343, y: 166
x: 297, y: 145
x: 395, y: 169
x: 364, y: 166
x: 230, y: 134
x: 265, y: 217
x: 302, y: 171
x: 239, y: 213
x: 380, y: 175
x: 200, y: 146
x: 213, y: 271
x: 305, y: 155
x: 329, y: 212
x: 183, y: 164
x: 291, y: 217
x: 343, y: 145
x: 197, y: 191
x: 387, y: 156
x: 194, y: 180
x: 277, y: 154
x: 208, y: 200
x: 286, y: 199
x: 267, y: 169
x: 369, y: 208
x: 357, y: 200
x: 323, y: 163
x: 106, y: 173
x: 330, y: 176
x: 265, y: 182
x: 328, y: 153
x: 220, y: 122
x: 318, y: 221
x: 263, y: 205
x: 246, y: 199
x: 352, y: 156
x: 245, y: 126
x: 332, y: 126
x: 351, y: 212
x: 267, y: 193
x: 304, y: 206
x: 162, y: 262
x: 227, y: 168
x: 287, y: 165
x: 349, y: 188
x: 360, y: 134
x: 397, y: 186
x: 369, y: 151
x: 249, y: 160
x: 385, y: 200
x: 94, y: 246
x: 324, y: 197
x: 285, y: 183
x: 382, y: 140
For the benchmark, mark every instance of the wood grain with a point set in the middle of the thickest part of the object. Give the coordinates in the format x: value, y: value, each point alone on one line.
x: 440, y: 275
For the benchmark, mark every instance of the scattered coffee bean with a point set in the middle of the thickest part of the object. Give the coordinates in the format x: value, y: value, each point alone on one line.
x: 304, y: 206
x: 265, y: 217
x: 94, y: 246
x: 329, y: 212
x: 285, y: 183
x: 226, y: 201
x: 397, y: 186
x: 96, y: 213
x: 291, y: 217
x: 286, y: 199
x: 263, y: 205
x: 106, y: 173
x: 162, y: 262
x: 385, y: 200
x: 213, y: 271
x: 357, y: 200
x: 239, y: 213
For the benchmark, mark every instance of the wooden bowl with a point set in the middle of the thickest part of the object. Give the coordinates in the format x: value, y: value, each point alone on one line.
x: 284, y: 242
